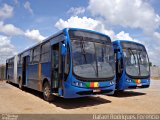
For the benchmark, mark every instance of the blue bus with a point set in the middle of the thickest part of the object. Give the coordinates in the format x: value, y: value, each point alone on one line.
x: 72, y: 63
x: 132, y: 65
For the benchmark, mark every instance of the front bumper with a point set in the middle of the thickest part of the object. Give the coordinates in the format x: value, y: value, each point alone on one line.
x: 75, y: 92
x: 132, y: 85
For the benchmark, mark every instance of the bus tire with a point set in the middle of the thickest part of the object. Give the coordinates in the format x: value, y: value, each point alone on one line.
x: 118, y: 92
x: 47, y: 92
x: 20, y: 84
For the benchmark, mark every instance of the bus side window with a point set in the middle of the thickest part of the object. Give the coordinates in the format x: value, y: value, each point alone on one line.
x: 67, y: 63
x: 119, y: 61
x: 36, y: 54
x: 120, y: 65
x: 31, y: 56
x: 45, y: 52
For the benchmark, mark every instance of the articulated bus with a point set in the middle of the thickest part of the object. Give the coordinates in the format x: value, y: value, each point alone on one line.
x: 132, y: 65
x: 72, y: 63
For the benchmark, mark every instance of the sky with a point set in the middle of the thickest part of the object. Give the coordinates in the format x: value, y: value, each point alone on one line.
x: 24, y: 23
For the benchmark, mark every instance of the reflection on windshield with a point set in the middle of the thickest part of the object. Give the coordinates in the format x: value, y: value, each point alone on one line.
x: 92, y: 60
x: 137, y: 63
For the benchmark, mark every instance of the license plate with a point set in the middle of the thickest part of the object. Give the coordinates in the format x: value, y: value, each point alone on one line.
x: 97, y: 90
x: 139, y: 85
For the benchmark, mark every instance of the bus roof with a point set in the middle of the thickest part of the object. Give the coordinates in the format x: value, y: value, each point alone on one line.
x: 128, y: 41
x: 87, y: 30
x: 65, y: 30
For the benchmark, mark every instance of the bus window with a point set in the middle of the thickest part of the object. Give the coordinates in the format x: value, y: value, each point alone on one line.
x: 55, y: 65
x: 119, y: 67
x: 36, y: 54
x: 45, y: 54
x: 67, y: 63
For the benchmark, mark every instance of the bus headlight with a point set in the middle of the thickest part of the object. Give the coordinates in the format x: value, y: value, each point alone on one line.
x: 129, y: 80
x: 81, y: 84
x: 112, y: 82
x: 78, y: 84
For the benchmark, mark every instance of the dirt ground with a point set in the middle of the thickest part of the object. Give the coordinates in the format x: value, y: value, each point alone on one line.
x: 16, y: 101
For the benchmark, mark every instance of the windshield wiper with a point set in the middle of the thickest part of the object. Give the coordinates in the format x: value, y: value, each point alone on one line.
x: 135, y: 60
x: 84, y: 54
x: 140, y: 58
x: 83, y: 51
x: 131, y: 52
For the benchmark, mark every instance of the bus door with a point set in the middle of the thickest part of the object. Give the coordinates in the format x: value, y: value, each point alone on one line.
x: 55, y: 58
x: 119, y: 63
x: 25, y: 69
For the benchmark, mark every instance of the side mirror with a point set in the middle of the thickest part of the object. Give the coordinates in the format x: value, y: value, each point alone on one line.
x: 63, y: 49
x: 116, y: 50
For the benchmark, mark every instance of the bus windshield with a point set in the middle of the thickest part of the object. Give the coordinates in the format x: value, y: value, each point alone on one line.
x: 91, y: 57
x: 137, y: 62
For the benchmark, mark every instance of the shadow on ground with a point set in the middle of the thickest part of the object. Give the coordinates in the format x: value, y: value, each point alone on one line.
x: 80, y: 102
x: 70, y: 103
x: 128, y: 94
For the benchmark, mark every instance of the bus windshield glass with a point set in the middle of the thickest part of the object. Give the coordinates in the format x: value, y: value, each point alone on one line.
x: 137, y: 62
x: 92, y: 55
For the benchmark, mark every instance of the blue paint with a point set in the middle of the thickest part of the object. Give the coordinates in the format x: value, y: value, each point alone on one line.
x: 125, y: 81
x: 69, y: 89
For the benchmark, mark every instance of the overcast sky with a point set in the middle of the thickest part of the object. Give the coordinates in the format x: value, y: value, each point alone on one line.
x: 26, y: 22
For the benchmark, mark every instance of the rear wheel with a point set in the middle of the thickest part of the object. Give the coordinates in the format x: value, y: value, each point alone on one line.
x: 118, y: 92
x: 20, y: 84
x: 47, y: 92
x: 7, y: 81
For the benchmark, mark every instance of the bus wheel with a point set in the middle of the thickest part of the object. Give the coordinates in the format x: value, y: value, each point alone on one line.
x: 47, y: 92
x: 118, y: 92
x: 20, y: 84
x: 7, y: 81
